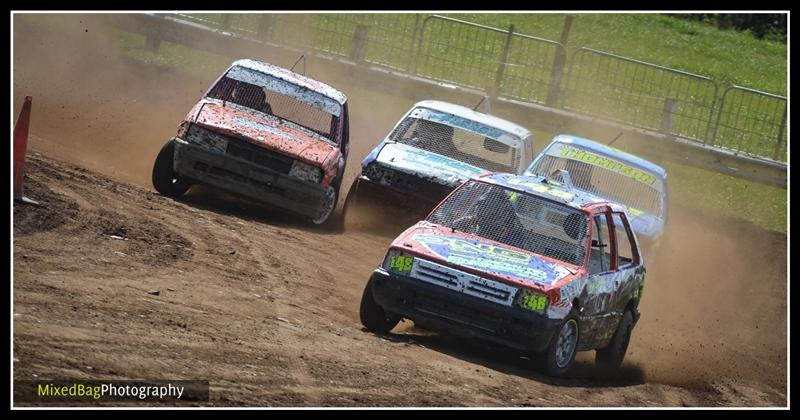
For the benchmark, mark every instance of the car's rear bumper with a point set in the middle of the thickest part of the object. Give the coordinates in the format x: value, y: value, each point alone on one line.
x: 449, y: 311
x: 238, y: 176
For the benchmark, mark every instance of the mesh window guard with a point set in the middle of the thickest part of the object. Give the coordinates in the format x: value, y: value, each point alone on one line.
x: 274, y: 103
x: 603, y: 183
x: 458, y: 143
x: 517, y: 219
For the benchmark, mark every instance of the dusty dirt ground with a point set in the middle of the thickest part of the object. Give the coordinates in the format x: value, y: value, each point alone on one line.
x: 266, y: 308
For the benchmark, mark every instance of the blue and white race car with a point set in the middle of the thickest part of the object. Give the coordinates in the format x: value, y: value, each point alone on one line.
x: 432, y: 150
x: 630, y: 181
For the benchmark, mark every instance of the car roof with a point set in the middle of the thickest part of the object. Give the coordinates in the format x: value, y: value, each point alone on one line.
x: 610, y: 152
x: 470, y: 114
x: 292, y: 77
x: 535, y: 185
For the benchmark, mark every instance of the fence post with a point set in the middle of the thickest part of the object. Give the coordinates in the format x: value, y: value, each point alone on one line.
x: 558, y: 62
x: 415, y: 44
x: 494, y: 90
x: 226, y: 21
x: 710, y: 129
x: 779, y: 145
x: 153, y: 38
x: 666, y: 117
x: 419, y: 27
x: 264, y: 26
x: 359, y: 45
x: 719, y: 116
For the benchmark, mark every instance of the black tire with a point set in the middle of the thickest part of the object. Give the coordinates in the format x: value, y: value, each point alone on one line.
x: 330, y: 219
x: 611, y: 356
x: 558, y: 358
x: 165, y: 180
x: 373, y: 317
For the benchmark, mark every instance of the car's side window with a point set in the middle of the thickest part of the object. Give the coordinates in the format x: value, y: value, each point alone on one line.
x: 626, y: 253
x: 600, y: 259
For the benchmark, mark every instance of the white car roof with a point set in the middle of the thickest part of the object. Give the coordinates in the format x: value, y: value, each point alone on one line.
x: 467, y: 113
x: 292, y: 77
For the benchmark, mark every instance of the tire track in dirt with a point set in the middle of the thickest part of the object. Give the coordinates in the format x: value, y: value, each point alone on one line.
x: 208, y: 241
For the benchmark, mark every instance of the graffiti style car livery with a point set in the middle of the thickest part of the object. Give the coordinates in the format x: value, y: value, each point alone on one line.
x: 265, y: 133
x: 520, y: 261
x: 617, y: 176
x: 434, y: 148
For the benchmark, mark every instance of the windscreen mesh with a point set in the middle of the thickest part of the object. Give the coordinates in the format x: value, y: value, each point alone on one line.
x: 274, y: 103
x: 457, y: 143
x: 603, y: 182
x: 517, y: 219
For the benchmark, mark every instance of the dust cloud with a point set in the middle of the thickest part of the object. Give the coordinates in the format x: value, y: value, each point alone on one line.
x: 90, y: 105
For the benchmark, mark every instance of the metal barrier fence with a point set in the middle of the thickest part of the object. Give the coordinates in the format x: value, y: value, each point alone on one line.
x: 442, y: 54
x: 240, y: 23
x: 501, y: 61
x: 641, y: 94
x: 386, y: 40
x: 752, y: 122
x: 537, y: 70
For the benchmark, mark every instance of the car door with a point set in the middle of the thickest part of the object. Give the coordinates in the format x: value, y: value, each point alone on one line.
x: 599, y: 297
x: 630, y: 270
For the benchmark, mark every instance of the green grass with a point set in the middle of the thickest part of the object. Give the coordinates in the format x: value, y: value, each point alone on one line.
x: 728, y: 56
x: 195, y: 62
x: 634, y: 94
x: 718, y: 194
x: 731, y: 57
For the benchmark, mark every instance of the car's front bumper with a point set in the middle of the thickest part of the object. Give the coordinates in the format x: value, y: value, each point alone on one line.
x: 450, y: 311
x: 238, y: 176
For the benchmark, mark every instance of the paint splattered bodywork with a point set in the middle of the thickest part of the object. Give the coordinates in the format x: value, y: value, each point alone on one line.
x: 506, y: 258
x: 614, y: 175
x: 434, y: 148
x: 268, y: 134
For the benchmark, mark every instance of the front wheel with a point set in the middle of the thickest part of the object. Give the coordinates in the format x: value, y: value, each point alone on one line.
x: 329, y: 201
x: 165, y: 180
x: 612, y: 355
x: 373, y: 317
x: 561, y: 352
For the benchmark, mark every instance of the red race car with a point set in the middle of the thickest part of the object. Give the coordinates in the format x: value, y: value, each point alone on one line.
x: 522, y: 261
x: 265, y: 133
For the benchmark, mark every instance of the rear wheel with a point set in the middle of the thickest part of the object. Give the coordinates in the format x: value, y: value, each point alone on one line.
x: 561, y: 352
x: 373, y: 317
x: 611, y: 356
x: 165, y: 180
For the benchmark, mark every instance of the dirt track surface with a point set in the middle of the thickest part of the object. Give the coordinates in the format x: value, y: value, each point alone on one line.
x: 266, y: 308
